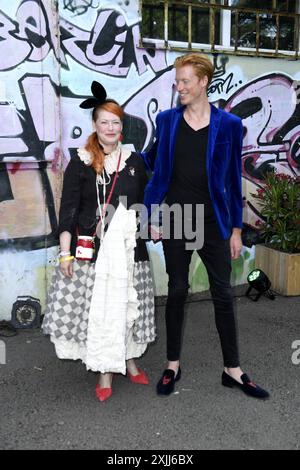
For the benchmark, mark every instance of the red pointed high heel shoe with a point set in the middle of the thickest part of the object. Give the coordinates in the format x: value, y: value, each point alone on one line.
x: 140, y: 378
x: 103, y: 393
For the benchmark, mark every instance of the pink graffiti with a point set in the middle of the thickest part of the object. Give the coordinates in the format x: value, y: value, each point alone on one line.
x: 277, y: 100
x: 41, y: 117
x: 19, y: 50
x: 76, y: 126
x: 32, y: 37
x: 38, y: 26
x: 43, y: 105
x: 55, y: 164
x: 110, y: 47
x: 149, y: 101
x: 10, y: 131
x: 272, y: 115
x: 266, y: 105
x: 15, y: 167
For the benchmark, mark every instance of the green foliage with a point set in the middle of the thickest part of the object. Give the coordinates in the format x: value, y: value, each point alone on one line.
x: 279, y: 200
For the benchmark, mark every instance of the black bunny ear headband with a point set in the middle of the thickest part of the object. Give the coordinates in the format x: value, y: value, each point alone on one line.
x: 99, y: 94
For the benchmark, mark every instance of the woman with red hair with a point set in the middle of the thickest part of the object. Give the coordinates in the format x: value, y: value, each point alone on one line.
x: 101, y: 304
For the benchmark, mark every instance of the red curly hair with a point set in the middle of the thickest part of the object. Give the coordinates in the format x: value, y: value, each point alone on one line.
x: 92, y: 145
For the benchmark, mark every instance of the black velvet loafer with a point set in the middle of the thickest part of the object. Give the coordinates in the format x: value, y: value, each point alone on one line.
x: 248, y: 387
x: 166, y: 384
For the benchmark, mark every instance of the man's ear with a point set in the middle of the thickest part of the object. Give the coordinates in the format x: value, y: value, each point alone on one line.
x: 205, y: 81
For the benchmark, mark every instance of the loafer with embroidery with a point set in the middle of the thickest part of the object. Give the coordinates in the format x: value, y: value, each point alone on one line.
x: 166, y: 384
x: 248, y: 387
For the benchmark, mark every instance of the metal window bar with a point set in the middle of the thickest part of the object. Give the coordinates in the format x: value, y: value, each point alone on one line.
x: 213, y: 8
x: 212, y: 4
x: 277, y: 32
x: 236, y: 30
x: 166, y: 14
x: 190, y: 26
x: 212, y: 29
x: 296, y: 36
x: 151, y: 19
x: 257, y: 34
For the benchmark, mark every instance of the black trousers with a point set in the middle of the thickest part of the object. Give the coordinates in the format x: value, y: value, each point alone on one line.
x: 216, y: 257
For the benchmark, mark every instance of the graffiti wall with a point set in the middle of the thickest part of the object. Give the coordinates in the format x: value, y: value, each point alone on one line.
x: 30, y: 175
x: 49, y: 54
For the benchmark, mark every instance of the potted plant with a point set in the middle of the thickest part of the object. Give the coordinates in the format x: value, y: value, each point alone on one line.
x: 279, y: 227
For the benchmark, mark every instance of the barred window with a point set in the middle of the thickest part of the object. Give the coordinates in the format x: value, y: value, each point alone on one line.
x: 242, y: 27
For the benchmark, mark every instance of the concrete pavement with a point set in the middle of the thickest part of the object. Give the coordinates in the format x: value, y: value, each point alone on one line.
x: 47, y: 403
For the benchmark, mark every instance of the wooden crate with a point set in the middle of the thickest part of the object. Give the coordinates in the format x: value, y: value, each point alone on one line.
x: 283, y: 269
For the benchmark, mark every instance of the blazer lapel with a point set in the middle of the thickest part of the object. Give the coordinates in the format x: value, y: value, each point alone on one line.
x: 215, y: 120
x: 176, y: 117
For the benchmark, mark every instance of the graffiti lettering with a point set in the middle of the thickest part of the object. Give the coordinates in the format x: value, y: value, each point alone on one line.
x: 25, y: 133
x: 10, y: 42
x: 109, y: 47
x: 5, y: 188
x: 31, y: 38
x: 79, y: 7
x: 221, y: 85
x: 271, y: 132
x: 220, y: 69
x: 41, y: 125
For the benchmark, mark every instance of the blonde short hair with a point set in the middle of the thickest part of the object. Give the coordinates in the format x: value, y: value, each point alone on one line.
x: 200, y: 62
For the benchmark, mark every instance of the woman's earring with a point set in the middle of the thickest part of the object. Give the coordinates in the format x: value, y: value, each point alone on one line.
x: 121, y: 137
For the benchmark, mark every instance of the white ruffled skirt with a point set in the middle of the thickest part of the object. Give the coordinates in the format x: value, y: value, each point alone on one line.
x: 114, y: 306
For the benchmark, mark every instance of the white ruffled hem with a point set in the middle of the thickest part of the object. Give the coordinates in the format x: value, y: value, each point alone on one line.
x: 73, y: 351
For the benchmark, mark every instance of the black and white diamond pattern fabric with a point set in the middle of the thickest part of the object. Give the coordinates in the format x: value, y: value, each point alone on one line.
x: 144, y: 330
x: 69, y: 299
x: 68, y: 303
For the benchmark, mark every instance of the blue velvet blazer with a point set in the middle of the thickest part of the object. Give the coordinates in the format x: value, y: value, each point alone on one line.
x: 223, y: 164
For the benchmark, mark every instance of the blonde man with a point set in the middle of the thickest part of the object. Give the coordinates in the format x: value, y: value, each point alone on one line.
x: 196, y: 161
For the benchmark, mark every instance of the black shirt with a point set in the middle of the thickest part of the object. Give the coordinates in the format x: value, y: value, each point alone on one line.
x: 189, y: 184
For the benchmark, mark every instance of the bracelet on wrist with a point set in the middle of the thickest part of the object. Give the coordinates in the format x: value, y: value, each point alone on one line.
x: 65, y: 258
x: 64, y: 253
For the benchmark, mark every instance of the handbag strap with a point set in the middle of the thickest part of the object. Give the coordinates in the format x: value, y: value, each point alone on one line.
x: 110, y: 193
